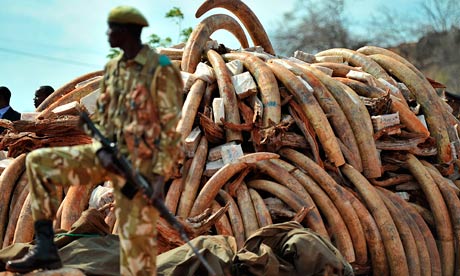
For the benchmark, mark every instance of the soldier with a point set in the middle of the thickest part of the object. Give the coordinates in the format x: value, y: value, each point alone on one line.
x: 139, y: 108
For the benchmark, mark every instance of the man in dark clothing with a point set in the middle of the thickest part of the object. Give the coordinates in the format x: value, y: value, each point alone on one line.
x: 6, y: 111
x: 41, y: 94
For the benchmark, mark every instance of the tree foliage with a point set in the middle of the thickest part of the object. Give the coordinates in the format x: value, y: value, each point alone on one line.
x: 156, y: 41
x: 176, y: 15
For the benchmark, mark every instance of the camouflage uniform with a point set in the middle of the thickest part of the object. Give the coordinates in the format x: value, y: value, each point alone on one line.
x: 139, y: 108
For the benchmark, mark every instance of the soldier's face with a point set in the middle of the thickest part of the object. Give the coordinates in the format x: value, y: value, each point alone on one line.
x: 115, y: 34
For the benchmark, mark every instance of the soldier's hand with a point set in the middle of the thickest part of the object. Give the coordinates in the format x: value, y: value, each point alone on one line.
x: 158, y: 185
x: 107, y: 160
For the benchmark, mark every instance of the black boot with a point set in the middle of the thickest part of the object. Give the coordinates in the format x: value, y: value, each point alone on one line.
x: 43, y: 255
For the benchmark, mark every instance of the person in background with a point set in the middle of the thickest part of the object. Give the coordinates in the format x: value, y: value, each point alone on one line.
x: 139, y: 108
x: 41, y: 94
x: 6, y: 111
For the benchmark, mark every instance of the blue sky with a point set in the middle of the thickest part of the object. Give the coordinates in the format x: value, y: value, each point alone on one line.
x: 54, y: 41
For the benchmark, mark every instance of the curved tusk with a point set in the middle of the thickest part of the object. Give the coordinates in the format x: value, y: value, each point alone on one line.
x: 390, y: 236
x: 267, y: 83
x: 235, y: 218
x: 438, y: 207
x: 359, y: 119
x: 312, y: 110
x: 200, y: 35
x: 358, y: 59
x: 263, y: 214
x: 430, y: 103
x: 245, y: 15
x: 215, y: 183
x: 227, y: 93
x: 8, y: 180
x: 193, y: 179
x: 74, y: 95
x: 335, y: 114
x: 66, y: 88
x: 372, y: 50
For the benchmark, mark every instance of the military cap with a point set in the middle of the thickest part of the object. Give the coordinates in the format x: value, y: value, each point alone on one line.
x: 127, y: 15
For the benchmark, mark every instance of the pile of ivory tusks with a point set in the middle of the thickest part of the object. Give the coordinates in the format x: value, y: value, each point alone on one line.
x: 343, y: 183
x: 347, y: 177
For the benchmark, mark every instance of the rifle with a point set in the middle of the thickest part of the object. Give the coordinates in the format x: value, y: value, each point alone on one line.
x: 136, y: 182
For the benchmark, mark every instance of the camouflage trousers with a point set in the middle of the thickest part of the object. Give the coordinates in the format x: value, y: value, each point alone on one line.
x: 78, y: 165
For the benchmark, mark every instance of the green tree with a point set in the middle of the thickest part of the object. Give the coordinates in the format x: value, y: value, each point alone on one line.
x: 176, y: 15
x: 156, y: 41
x: 113, y: 53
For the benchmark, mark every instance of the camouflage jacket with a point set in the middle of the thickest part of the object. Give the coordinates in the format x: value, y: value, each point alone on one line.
x: 139, y: 107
